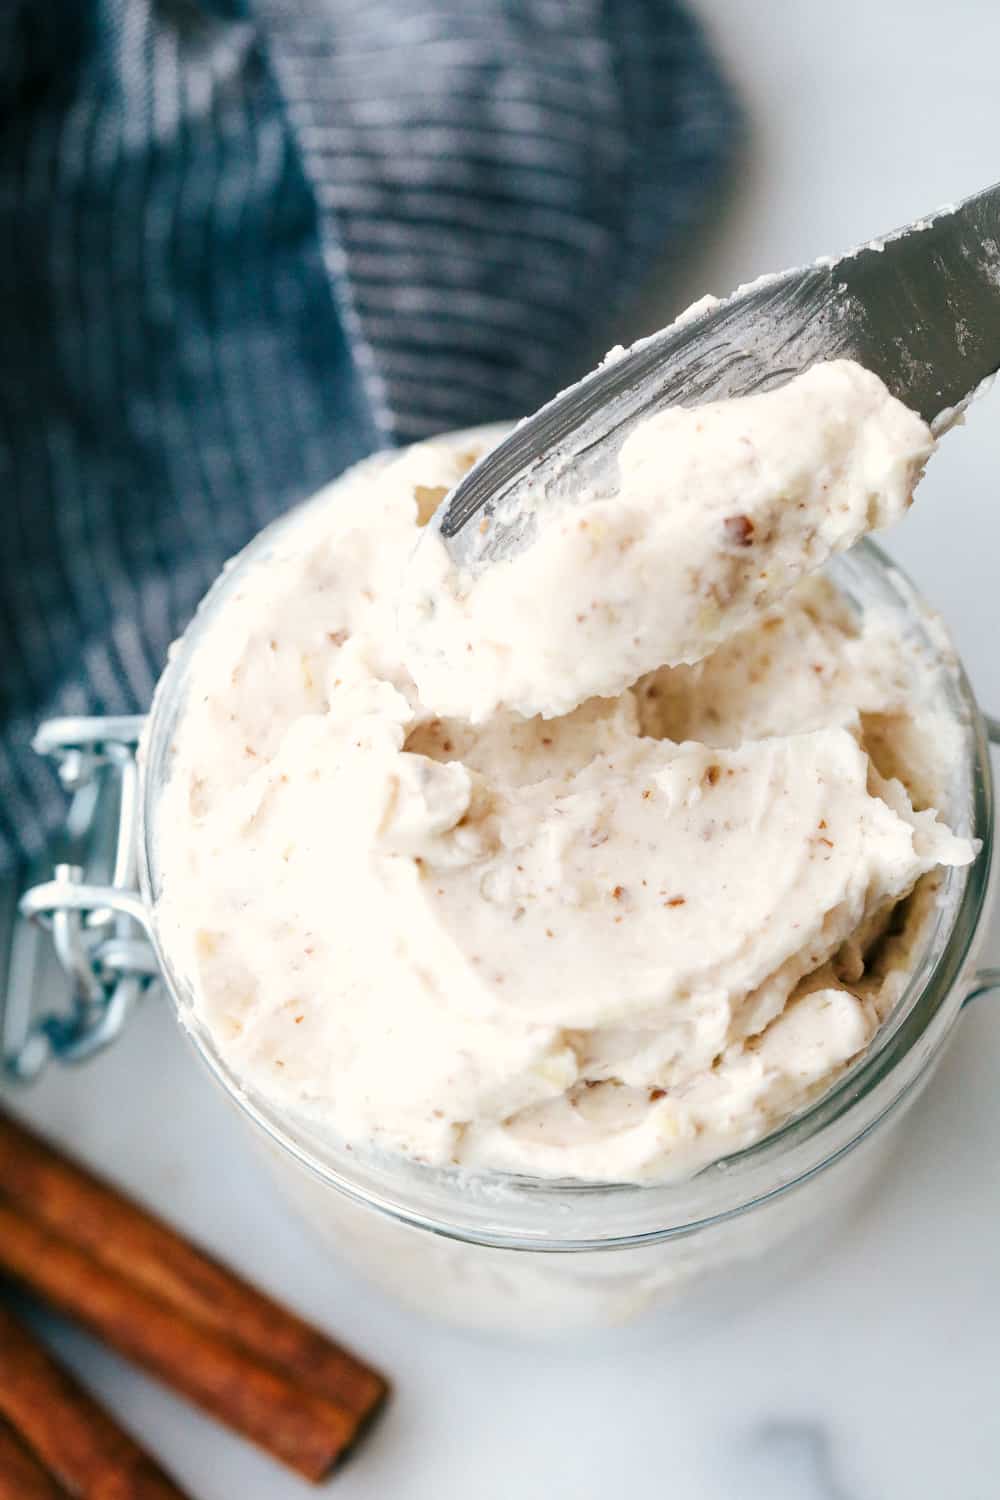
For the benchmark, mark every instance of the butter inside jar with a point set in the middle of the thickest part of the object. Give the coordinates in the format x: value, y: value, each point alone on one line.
x: 613, y: 942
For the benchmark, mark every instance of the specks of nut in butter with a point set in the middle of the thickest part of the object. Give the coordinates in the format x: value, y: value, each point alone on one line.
x: 428, y: 498
x: 739, y: 531
x: 206, y: 943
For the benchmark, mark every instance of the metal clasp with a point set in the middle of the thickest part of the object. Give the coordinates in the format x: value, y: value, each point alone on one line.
x: 91, y: 907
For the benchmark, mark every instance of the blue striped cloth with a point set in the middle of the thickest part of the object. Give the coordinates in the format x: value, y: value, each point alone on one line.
x: 245, y: 242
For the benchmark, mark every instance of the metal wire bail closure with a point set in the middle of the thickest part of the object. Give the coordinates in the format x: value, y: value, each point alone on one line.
x: 92, y: 909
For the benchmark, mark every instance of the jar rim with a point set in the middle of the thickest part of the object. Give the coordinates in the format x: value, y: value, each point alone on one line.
x: 507, y: 1211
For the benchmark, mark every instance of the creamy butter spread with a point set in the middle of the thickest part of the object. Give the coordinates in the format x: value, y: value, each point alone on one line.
x: 612, y: 943
x: 717, y: 511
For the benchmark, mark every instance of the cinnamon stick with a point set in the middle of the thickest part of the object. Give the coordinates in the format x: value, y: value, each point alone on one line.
x: 21, y: 1475
x: 76, y: 1440
x: 90, y: 1213
x: 306, y: 1431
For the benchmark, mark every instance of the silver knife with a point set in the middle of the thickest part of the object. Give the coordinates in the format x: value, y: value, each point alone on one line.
x: 920, y: 307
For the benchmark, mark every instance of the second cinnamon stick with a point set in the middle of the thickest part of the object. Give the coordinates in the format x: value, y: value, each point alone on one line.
x: 75, y: 1439
x: 21, y: 1475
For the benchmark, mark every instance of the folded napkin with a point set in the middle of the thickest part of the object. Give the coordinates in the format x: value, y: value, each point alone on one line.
x: 247, y: 243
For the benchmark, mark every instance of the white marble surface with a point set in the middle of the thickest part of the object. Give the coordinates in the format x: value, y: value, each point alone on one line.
x: 873, y: 1375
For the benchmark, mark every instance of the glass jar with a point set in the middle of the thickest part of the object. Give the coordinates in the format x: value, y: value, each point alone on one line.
x: 533, y: 1255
